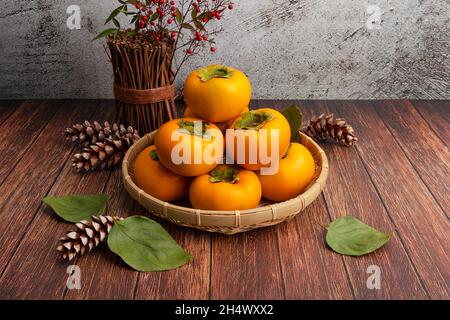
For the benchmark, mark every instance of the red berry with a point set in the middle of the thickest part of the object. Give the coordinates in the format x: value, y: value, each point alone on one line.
x: 230, y: 6
x: 205, y: 38
x: 205, y: 20
x: 213, y: 49
x: 172, y: 3
x: 173, y: 8
x: 189, y: 51
x: 138, y: 6
x: 174, y: 14
x: 162, y: 1
x: 169, y: 21
x: 144, y: 9
x: 151, y: 12
x: 162, y: 14
x: 152, y: 24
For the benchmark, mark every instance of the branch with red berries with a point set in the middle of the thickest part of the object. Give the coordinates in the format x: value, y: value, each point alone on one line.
x: 187, y: 25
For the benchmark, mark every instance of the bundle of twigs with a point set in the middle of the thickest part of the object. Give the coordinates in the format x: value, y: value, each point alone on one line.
x: 140, y: 63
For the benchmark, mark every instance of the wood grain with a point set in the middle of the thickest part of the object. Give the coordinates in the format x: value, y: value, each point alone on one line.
x: 246, y: 266
x: 7, y: 107
x: 35, y: 271
x: 303, y: 251
x: 349, y: 191
x: 191, y: 281
x: 428, y: 154
x: 20, y: 130
x: 437, y: 114
x: 422, y: 225
x: 105, y: 275
x: 395, y: 179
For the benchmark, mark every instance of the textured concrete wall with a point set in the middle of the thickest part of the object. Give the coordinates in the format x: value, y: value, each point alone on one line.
x: 318, y: 49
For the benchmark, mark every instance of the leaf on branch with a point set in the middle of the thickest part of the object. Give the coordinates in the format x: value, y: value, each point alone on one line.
x: 199, y: 25
x: 116, y: 23
x: 105, y: 33
x: 130, y: 34
x: 179, y: 17
x: 114, y: 14
x: 194, y: 14
x: 154, y: 16
x: 187, y: 26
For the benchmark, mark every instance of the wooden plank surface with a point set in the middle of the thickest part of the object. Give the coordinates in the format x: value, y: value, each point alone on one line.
x: 437, y: 114
x: 422, y: 225
x: 303, y: 252
x: 427, y: 153
x: 7, y: 107
x: 35, y: 271
x: 349, y: 191
x: 19, y: 131
x: 395, y: 179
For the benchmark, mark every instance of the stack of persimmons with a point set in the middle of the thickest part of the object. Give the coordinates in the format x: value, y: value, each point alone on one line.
x: 221, y: 155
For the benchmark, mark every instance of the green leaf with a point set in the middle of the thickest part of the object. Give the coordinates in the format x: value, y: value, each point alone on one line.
x: 130, y: 34
x: 114, y: 14
x: 134, y: 19
x: 199, y: 25
x: 105, y: 33
x: 145, y: 246
x: 187, y: 26
x: 179, y: 17
x: 116, y: 23
x: 349, y: 236
x: 294, y: 116
x: 194, y: 14
x: 74, y: 208
x: 154, y: 17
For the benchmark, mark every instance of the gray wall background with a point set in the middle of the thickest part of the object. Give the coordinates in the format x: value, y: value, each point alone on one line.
x: 310, y: 49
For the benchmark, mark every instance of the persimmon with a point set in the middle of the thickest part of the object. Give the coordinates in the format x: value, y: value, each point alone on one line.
x: 188, y: 113
x: 189, y: 146
x: 226, y: 188
x: 296, y: 171
x: 217, y: 93
x: 260, y: 138
x: 156, y: 180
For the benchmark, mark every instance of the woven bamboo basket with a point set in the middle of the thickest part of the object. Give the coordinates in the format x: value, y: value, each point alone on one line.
x: 228, y: 222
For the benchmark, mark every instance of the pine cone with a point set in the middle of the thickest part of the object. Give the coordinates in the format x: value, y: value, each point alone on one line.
x: 326, y: 127
x: 102, y: 155
x: 86, y: 134
x: 88, y: 235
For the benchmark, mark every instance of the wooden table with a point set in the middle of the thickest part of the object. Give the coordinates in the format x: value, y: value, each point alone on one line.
x: 396, y: 179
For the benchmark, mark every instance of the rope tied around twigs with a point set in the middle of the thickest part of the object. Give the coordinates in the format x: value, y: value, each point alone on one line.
x: 144, y: 96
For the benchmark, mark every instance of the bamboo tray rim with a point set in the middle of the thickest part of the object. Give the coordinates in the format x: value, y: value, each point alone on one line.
x: 321, y: 177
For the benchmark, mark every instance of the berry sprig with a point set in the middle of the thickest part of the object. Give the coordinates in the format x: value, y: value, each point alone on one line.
x: 187, y: 25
